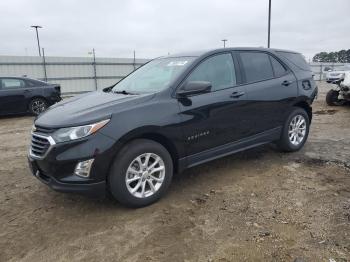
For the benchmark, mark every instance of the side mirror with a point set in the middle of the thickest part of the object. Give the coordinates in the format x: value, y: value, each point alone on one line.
x: 107, y: 89
x: 194, y: 88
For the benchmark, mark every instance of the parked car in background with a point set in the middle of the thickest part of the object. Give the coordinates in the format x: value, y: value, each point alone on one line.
x: 341, y: 93
x: 170, y: 114
x: 333, y: 76
x: 23, y: 95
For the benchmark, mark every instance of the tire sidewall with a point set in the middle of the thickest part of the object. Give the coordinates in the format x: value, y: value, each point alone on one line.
x: 285, y: 136
x: 332, y: 97
x: 116, y: 177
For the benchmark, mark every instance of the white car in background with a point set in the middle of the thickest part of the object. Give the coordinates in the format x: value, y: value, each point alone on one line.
x: 337, y: 75
x: 341, y: 94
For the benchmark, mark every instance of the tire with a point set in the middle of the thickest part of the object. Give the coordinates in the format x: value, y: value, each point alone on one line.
x: 37, y: 106
x: 125, y: 165
x: 289, y: 141
x: 332, y: 98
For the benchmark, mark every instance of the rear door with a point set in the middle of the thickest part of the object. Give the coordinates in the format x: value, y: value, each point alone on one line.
x: 270, y: 87
x: 13, y: 95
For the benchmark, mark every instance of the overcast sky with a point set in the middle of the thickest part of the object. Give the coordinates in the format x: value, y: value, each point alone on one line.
x: 157, y: 27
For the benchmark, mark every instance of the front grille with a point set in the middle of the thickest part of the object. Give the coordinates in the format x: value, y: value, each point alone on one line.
x: 39, y: 145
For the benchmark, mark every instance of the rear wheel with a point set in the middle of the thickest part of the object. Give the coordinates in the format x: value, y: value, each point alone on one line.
x: 37, y: 106
x: 141, y: 173
x: 332, y: 98
x: 295, y: 131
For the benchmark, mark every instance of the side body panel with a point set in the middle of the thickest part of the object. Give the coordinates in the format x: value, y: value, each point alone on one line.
x: 213, y: 119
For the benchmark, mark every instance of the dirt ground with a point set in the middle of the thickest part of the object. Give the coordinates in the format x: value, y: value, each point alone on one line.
x: 259, y: 205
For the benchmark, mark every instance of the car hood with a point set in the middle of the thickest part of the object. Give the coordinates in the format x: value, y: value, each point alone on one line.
x: 87, y: 108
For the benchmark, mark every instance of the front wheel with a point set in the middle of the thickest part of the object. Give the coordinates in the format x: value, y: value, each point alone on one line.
x: 141, y: 173
x: 37, y: 106
x: 295, y: 131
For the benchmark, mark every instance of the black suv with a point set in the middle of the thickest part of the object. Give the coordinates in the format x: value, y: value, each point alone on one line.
x: 22, y: 95
x: 172, y: 113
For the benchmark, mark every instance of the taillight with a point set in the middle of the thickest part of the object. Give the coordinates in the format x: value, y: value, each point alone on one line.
x: 306, y: 84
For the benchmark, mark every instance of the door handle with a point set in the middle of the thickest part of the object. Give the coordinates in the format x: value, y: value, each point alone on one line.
x: 237, y: 94
x: 286, y: 83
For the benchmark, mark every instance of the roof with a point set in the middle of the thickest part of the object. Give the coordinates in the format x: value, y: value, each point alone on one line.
x: 203, y: 52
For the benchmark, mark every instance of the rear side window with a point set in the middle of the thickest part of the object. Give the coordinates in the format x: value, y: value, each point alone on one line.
x: 296, y: 59
x: 257, y: 66
x: 278, y: 68
x: 219, y: 70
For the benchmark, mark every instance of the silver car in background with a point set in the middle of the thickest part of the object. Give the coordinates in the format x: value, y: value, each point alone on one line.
x: 338, y: 74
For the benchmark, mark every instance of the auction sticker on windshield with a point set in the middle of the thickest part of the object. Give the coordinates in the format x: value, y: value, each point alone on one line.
x: 177, y: 63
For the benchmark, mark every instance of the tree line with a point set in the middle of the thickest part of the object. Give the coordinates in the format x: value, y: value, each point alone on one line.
x: 342, y: 56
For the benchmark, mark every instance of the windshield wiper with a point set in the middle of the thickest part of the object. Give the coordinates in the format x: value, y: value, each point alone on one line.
x: 124, y: 92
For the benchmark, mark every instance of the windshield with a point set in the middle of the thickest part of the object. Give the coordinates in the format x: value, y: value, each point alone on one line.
x: 153, y: 76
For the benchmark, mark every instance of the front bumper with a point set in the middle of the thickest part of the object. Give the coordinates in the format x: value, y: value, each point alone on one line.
x: 93, y: 189
x: 333, y: 79
x: 56, y: 168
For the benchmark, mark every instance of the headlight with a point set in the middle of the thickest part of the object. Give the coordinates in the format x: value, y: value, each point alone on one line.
x: 72, y: 133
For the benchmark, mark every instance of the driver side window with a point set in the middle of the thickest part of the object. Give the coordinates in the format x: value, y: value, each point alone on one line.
x: 219, y: 70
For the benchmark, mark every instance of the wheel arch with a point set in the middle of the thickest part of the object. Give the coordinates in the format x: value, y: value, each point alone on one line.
x: 306, y: 106
x: 167, y: 143
x: 151, y: 133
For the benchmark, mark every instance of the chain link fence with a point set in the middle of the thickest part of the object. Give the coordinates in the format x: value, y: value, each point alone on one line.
x: 84, y: 74
x: 74, y: 74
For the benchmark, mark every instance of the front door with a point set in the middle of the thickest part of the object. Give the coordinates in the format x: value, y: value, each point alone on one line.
x: 215, y: 118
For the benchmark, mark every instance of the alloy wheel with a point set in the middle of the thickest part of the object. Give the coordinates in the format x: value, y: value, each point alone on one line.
x: 297, y: 130
x: 145, y: 175
x: 38, y: 106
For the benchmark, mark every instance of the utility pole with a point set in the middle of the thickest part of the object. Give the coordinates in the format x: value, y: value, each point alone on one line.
x: 134, y: 61
x: 44, y: 65
x: 269, y: 26
x: 37, y: 36
x: 224, y: 40
x: 94, y: 63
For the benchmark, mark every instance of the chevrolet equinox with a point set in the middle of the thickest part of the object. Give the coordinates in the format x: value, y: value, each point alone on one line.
x: 172, y: 113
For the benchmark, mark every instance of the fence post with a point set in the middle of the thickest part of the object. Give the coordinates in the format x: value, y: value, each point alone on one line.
x: 321, y: 71
x: 134, y: 60
x: 94, y: 65
x: 44, y: 65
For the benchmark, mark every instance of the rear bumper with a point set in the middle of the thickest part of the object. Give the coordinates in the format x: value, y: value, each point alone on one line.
x: 54, y: 99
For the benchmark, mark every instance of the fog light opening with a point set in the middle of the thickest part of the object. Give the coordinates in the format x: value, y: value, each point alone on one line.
x: 83, y: 168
